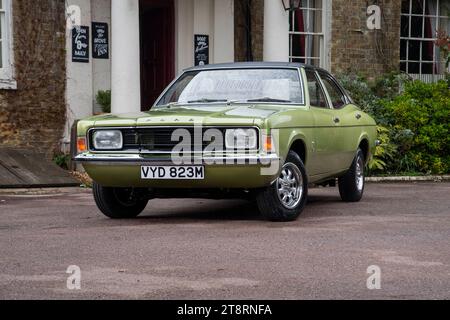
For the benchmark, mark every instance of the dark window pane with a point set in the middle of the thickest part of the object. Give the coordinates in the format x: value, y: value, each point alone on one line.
x: 427, y: 68
x: 404, y: 28
x: 299, y: 60
x: 403, y: 44
x: 414, y: 50
x: 427, y: 50
x: 417, y: 27
x: 403, y: 66
x: 405, y: 6
x: 413, y: 67
x: 417, y: 6
x: 298, y: 45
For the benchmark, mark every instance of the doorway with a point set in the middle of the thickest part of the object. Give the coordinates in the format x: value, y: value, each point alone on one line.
x: 157, y: 45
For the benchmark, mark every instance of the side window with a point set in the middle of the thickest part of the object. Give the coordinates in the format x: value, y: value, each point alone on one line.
x: 316, y: 95
x: 335, y: 93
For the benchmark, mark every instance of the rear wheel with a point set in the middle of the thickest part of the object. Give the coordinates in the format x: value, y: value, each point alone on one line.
x: 119, y: 203
x: 351, y: 185
x: 285, y: 199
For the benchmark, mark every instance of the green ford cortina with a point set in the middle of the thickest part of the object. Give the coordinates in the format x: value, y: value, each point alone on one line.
x: 263, y: 131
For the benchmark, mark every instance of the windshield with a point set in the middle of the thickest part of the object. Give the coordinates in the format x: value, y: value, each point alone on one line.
x: 236, y: 85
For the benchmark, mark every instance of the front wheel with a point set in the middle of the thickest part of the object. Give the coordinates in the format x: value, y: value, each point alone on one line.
x: 285, y: 199
x: 351, y: 185
x: 119, y: 203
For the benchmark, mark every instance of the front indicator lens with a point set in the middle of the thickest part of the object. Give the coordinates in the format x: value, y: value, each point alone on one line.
x: 81, y: 144
x: 241, y: 139
x: 107, y: 140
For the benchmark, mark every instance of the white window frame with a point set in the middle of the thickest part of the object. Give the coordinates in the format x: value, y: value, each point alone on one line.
x: 7, y: 71
x: 408, y: 38
x: 324, y: 35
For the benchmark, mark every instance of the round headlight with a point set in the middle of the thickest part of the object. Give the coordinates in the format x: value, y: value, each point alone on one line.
x: 107, y: 140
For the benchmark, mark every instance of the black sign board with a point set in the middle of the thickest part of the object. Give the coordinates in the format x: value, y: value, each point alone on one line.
x: 201, y: 49
x: 100, y: 40
x: 80, y: 44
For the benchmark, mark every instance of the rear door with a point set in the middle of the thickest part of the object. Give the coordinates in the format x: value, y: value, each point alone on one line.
x: 348, y: 117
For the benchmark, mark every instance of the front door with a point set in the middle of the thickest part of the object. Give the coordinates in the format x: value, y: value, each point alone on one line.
x: 157, y: 48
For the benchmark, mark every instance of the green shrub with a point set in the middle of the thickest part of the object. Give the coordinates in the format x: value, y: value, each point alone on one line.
x: 420, y: 119
x: 413, y: 119
x: 103, y: 98
x: 62, y: 160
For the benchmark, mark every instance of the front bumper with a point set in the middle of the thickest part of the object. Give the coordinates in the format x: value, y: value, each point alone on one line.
x: 225, y: 171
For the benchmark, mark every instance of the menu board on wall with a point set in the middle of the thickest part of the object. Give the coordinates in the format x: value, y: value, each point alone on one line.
x: 201, y: 49
x: 80, y: 44
x: 100, y: 40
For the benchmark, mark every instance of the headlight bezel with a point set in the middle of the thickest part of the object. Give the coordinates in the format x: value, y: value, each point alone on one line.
x: 243, y: 132
x: 96, y: 147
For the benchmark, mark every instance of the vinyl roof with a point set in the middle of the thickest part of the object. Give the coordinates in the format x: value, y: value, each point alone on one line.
x: 238, y: 65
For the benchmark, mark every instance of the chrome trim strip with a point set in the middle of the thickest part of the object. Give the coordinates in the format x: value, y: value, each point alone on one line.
x: 134, y: 159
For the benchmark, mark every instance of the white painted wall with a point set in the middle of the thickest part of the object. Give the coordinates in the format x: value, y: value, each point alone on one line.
x: 276, y: 31
x: 101, y: 68
x: 211, y: 17
x: 184, y: 37
x: 79, y: 75
x: 125, y: 55
x: 223, y: 31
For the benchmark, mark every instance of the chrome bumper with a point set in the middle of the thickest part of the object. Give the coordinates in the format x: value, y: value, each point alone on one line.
x: 136, y: 159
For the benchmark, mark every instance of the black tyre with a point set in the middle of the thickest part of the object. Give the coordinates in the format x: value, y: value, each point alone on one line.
x: 285, y: 199
x: 351, y: 185
x: 119, y: 203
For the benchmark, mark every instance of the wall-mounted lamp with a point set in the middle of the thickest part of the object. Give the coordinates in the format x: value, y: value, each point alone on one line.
x: 291, y: 5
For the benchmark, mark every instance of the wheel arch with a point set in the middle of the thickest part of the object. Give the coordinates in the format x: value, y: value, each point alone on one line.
x: 298, y: 145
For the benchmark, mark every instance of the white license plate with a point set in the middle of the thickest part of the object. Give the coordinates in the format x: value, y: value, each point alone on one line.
x: 173, y: 172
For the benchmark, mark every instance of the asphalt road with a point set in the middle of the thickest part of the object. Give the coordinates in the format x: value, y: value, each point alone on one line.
x: 204, y: 249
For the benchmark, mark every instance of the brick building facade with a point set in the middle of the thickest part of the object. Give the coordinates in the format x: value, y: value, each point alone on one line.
x: 32, y: 113
x: 354, y: 48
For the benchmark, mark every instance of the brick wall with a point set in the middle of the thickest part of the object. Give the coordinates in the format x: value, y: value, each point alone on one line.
x: 354, y: 48
x: 33, y: 116
x: 256, y: 27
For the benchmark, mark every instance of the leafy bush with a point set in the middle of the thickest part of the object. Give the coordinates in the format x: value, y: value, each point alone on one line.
x: 413, y: 119
x: 421, y: 120
x: 103, y: 98
x: 62, y: 160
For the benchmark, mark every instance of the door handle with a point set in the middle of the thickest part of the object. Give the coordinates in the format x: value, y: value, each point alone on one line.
x: 358, y: 116
x: 336, y: 120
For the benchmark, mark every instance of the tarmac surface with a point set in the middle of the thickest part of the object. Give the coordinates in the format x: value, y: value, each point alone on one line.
x: 211, y: 249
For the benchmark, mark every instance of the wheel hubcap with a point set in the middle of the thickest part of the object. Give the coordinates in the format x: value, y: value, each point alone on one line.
x: 290, y: 186
x: 359, y: 174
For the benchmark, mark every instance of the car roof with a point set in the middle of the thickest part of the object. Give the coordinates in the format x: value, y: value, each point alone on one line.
x: 260, y: 64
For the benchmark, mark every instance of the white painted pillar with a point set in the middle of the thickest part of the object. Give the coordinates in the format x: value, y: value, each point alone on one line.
x: 223, y: 31
x: 125, y: 60
x: 276, y: 31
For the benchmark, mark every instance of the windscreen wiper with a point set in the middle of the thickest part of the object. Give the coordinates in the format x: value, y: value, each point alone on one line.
x: 268, y: 99
x: 205, y: 100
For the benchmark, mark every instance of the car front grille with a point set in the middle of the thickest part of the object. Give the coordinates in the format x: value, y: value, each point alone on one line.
x: 160, y: 139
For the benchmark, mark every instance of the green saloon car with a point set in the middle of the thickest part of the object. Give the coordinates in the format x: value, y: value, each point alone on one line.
x: 263, y: 131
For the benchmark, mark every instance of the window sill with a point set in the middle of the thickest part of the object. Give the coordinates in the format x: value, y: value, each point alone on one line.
x: 8, y: 84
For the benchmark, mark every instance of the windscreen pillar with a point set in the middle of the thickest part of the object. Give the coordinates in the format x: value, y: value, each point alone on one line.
x: 125, y: 57
x: 276, y: 31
